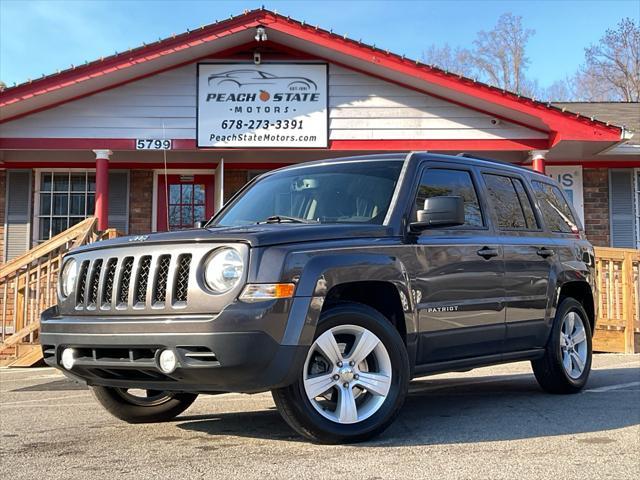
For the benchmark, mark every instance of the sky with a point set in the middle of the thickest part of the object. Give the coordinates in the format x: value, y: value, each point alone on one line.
x: 41, y: 37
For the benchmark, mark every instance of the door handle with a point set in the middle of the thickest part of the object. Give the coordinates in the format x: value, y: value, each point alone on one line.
x: 487, y: 253
x: 545, y: 252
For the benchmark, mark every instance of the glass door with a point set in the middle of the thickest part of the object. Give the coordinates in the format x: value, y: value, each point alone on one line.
x: 184, y: 200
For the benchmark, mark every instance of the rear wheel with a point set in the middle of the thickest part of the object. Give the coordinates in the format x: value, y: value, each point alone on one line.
x: 354, y: 380
x: 143, y: 406
x: 566, y: 364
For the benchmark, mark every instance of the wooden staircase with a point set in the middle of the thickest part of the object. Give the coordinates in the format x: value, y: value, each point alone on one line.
x: 28, y: 286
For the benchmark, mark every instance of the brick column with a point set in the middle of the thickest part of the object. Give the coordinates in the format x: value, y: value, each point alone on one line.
x: 102, y: 188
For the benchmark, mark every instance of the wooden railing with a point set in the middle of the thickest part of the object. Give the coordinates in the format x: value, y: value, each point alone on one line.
x: 618, y: 279
x: 28, y: 286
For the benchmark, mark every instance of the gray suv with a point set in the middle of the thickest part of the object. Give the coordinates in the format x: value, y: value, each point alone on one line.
x: 333, y: 284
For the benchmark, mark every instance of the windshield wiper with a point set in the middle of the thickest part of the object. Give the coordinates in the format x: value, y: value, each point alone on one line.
x: 286, y: 219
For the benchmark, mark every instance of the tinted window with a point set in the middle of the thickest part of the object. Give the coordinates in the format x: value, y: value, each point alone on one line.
x: 437, y: 182
x: 511, y: 202
x: 525, y: 203
x: 504, y: 200
x: 350, y: 192
x: 555, y: 209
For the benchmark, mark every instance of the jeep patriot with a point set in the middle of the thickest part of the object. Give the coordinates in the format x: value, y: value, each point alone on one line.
x: 332, y: 284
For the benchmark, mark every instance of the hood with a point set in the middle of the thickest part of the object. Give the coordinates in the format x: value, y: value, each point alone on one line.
x: 254, y: 235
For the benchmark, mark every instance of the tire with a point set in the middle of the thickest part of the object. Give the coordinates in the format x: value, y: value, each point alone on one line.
x: 157, y: 407
x: 553, y: 372
x: 348, y: 412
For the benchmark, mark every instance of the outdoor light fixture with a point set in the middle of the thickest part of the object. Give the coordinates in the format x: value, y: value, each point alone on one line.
x: 261, y: 34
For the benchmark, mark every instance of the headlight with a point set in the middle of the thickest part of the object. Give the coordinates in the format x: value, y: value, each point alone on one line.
x: 68, y: 277
x: 223, y: 270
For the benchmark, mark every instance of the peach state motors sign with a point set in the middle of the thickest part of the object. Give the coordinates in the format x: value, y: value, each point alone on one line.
x: 268, y: 105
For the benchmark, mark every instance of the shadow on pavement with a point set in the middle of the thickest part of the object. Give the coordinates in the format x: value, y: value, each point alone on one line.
x: 469, y: 410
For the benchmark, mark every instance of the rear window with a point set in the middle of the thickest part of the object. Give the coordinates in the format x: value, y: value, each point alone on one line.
x: 510, y: 202
x: 555, y: 209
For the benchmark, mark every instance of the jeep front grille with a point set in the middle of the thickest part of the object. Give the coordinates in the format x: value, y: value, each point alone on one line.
x: 128, y: 282
x: 182, y: 278
x: 142, y: 280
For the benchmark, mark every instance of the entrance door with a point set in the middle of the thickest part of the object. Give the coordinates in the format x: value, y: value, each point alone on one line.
x: 190, y: 200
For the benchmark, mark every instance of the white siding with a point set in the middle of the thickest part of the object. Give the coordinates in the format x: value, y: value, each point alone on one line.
x: 360, y: 107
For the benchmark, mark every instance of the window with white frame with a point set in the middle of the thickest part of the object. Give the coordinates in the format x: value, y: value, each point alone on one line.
x: 64, y: 198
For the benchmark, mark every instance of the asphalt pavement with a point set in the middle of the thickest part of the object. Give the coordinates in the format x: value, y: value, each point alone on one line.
x: 490, y: 423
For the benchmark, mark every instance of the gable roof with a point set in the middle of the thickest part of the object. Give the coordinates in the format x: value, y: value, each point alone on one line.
x: 146, y: 60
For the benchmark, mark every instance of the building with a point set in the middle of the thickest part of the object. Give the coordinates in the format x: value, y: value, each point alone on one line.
x: 160, y: 136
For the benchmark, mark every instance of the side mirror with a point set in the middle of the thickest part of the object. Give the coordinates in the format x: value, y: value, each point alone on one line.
x: 200, y: 224
x: 440, y: 212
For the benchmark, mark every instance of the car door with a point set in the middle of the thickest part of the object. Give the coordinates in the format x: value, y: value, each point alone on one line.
x: 528, y: 258
x: 458, y: 278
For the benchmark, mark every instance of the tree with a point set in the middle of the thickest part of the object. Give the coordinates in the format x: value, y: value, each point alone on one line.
x: 498, y: 56
x: 456, y: 60
x: 612, y: 67
x: 500, y: 53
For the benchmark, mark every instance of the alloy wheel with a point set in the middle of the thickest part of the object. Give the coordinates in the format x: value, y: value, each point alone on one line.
x: 573, y: 345
x: 347, y: 374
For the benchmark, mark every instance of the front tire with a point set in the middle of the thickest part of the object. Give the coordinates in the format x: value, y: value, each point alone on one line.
x: 566, y: 364
x: 153, y: 407
x: 354, y: 380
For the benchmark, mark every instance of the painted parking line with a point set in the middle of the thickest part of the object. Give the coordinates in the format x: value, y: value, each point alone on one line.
x: 608, y: 388
x: 37, y: 400
x: 50, y: 405
x: 30, y: 379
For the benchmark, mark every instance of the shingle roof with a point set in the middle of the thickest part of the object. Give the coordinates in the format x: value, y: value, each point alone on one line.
x: 625, y: 114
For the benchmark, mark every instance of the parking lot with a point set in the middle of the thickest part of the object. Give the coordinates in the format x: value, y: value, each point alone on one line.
x: 490, y: 423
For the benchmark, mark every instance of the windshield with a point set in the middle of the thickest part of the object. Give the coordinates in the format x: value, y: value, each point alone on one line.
x: 350, y: 192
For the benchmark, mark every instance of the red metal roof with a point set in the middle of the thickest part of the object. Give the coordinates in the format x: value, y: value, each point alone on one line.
x: 562, y: 125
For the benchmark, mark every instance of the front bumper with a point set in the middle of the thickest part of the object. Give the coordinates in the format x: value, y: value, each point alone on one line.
x: 226, y: 352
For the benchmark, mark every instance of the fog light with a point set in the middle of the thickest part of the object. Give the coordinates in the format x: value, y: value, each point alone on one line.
x: 68, y: 358
x: 167, y: 361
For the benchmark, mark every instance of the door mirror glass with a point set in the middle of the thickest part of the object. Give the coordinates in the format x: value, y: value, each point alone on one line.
x: 442, y: 211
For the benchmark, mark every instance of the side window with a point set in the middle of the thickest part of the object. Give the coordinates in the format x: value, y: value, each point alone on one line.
x: 437, y: 182
x: 557, y: 213
x: 525, y: 203
x: 504, y: 200
x: 511, y: 203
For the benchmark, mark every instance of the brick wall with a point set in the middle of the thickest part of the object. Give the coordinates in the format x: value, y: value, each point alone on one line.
x: 140, y: 201
x: 3, y: 194
x: 234, y: 180
x: 596, y: 205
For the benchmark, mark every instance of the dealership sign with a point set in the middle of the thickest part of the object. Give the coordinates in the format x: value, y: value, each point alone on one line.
x: 570, y: 179
x: 269, y: 105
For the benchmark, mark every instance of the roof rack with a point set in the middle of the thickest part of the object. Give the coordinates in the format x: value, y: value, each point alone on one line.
x: 491, y: 160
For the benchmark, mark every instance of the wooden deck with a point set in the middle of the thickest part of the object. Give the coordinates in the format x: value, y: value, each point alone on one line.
x: 28, y: 286
x: 618, y: 280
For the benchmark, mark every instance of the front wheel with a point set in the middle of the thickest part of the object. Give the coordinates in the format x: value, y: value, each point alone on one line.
x: 566, y: 364
x: 354, y: 380
x: 143, y: 406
